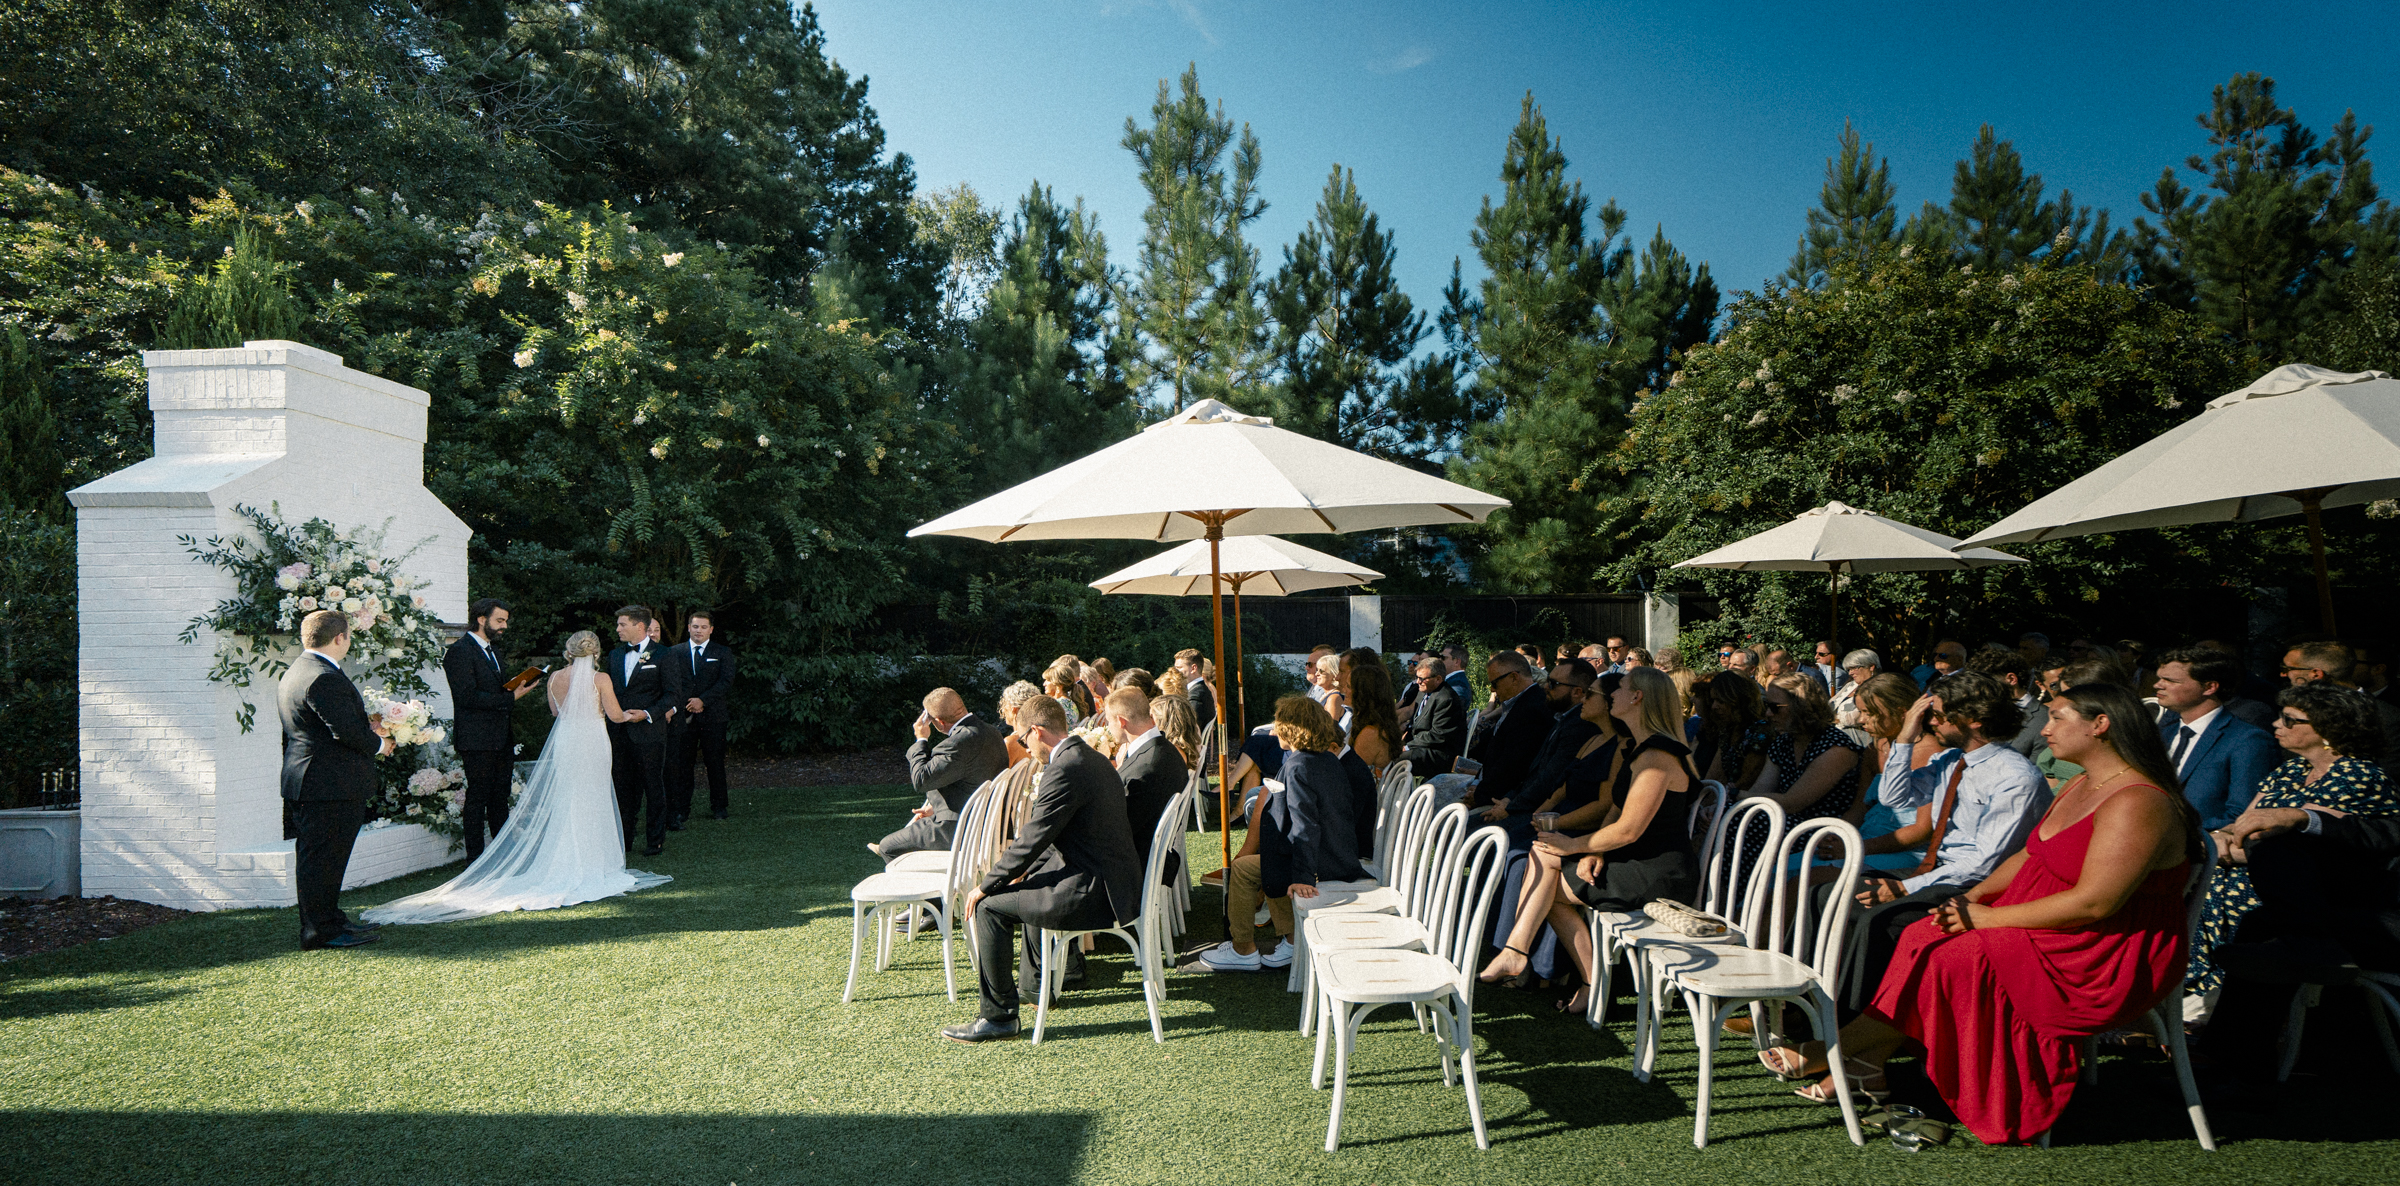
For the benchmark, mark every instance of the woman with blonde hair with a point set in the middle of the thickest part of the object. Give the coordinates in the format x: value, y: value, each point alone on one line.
x: 1172, y: 713
x: 1643, y: 855
x: 1327, y: 675
x: 1061, y: 683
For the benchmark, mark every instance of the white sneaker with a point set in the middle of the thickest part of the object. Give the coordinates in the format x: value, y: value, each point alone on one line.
x: 1281, y: 957
x: 1262, y: 918
x: 1223, y: 958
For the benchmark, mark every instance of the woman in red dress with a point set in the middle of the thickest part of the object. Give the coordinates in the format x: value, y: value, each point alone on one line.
x: 2081, y: 932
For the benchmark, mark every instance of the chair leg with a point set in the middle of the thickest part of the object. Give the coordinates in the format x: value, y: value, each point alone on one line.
x: 1051, y: 949
x: 1325, y: 1023
x: 2044, y: 1139
x: 949, y: 974
x: 1444, y: 1028
x: 2170, y: 1026
x: 1704, y: 1029
x: 1604, y: 954
x: 2291, y: 1033
x: 858, y: 933
x: 1341, y: 1074
x: 1648, y: 1017
x: 1823, y: 1019
x: 2087, y: 1052
x: 1466, y: 1069
x: 1308, y: 996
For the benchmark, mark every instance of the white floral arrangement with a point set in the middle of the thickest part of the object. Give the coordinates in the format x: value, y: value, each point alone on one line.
x: 406, y: 722
x: 1100, y: 738
x: 434, y: 791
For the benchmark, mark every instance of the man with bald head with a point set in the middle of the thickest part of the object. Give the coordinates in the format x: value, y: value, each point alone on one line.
x: 969, y: 755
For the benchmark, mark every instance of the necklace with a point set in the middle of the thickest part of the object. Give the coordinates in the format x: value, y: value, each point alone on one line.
x: 2112, y: 778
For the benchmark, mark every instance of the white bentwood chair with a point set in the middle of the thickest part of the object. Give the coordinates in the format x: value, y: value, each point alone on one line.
x: 1612, y: 932
x: 1147, y: 938
x: 1440, y: 981
x: 1797, y: 964
x: 884, y: 900
x: 1424, y: 855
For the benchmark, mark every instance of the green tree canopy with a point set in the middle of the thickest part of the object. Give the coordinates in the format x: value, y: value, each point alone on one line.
x: 1194, y: 295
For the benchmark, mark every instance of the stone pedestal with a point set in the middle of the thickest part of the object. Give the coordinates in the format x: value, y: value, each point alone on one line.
x: 181, y: 807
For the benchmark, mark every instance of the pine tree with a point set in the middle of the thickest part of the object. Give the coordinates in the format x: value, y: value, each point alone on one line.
x: 1855, y: 217
x: 1997, y: 219
x: 1344, y: 330
x: 246, y: 299
x: 1563, y: 332
x: 32, y: 470
x: 2281, y: 218
x: 1195, y: 294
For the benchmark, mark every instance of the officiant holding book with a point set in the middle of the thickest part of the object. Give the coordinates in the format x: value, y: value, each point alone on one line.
x: 482, y: 693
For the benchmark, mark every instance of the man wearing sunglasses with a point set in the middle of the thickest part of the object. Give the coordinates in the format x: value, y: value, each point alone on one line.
x: 1563, y: 690
x: 1506, y: 738
x: 2333, y: 663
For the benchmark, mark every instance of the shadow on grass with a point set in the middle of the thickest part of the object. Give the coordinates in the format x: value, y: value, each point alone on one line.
x: 217, y: 1149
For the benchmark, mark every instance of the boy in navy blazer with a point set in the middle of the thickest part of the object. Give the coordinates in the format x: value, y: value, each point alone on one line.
x: 2220, y: 757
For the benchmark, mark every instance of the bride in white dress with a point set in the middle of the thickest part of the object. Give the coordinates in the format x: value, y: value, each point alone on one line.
x: 564, y: 842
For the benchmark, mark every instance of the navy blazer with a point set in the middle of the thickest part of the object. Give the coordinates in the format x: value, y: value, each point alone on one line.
x: 2227, y: 763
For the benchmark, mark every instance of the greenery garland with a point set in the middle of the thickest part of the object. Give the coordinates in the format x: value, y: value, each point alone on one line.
x: 291, y: 570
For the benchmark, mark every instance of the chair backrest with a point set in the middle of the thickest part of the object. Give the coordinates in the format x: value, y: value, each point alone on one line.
x: 1708, y: 810
x: 1208, y: 750
x: 1457, y: 934
x: 1403, y: 857
x: 1163, y: 838
x: 1390, y: 792
x: 1794, y: 927
x: 2195, y: 895
x: 1731, y: 889
x: 1429, y: 862
x: 966, y: 837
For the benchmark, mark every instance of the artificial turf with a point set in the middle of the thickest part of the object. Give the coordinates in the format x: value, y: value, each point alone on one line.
x: 696, y: 1033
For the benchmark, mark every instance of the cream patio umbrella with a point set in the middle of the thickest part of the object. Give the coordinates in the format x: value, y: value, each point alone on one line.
x: 1265, y: 565
x: 1209, y: 472
x: 1838, y: 538
x: 2301, y: 440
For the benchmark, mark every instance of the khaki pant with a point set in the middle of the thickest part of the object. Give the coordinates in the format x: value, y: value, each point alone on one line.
x: 1242, y: 891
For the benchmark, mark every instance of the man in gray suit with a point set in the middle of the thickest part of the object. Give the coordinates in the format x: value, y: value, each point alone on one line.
x: 329, y: 751
x: 969, y: 755
x: 1072, y: 867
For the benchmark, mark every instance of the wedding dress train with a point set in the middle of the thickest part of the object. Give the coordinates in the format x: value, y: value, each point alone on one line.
x: 564, y: 842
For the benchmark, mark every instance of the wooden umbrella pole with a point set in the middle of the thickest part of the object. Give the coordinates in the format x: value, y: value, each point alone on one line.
x: 1833, y: 608
x: 1241, y: 690
x: 1216, y: 620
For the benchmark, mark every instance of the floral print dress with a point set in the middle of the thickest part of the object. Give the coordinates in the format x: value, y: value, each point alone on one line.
x: 2354, y: 785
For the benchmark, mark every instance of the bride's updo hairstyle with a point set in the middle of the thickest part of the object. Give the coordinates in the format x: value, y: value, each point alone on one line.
x: 582, y: 643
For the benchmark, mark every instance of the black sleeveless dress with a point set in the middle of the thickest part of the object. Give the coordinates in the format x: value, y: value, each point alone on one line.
x: 1660, y: 862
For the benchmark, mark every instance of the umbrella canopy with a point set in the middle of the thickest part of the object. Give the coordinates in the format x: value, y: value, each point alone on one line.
x: 1834, y: 537
x: 2300, y: 440
x: 1259, y: 565
x: 1261, y: 479
x: 1837, y: 536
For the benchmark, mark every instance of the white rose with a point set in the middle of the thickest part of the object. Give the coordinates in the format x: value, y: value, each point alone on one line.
x: 350, y: 605
x: 287, y: 583
x: 308, y: 603
x: 393, y: 653
x: 434, y: 735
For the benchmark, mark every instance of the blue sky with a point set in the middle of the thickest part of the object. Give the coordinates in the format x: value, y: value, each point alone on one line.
x: 1713, y: 119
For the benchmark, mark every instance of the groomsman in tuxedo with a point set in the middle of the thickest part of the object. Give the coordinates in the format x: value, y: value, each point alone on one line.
x: 329, y: 751
x: 478, y: 676
x: 640, y: 746
x: 700, y: 670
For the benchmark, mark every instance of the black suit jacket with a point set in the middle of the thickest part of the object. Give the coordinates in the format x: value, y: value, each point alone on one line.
x: 1204, y: 701
x: 1550, y: 763
x: 1152, y: 780
x: 1077, y: 818
x: 1506, y: 740
x: 712, y: 683
x: 647, y: 690
x: 946, y: 772
x: 329, y: 746
x: 1437, y: 734
x: 478, y: 698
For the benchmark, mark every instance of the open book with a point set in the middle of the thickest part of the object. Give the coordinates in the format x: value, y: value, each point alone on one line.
x: 525, y: 677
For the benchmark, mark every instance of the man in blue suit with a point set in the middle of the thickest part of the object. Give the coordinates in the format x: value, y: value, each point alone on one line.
x: 2220, y: 757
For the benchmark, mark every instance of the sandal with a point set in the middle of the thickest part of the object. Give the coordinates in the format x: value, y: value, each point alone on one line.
x: 1864, y: 1080
x: 1579, y: 1003
x: 1517, y: 979
x: 1791, y: 1061
x: 1931, y: 1132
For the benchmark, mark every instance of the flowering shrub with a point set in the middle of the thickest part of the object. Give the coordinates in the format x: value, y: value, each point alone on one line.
x: 290, y: 571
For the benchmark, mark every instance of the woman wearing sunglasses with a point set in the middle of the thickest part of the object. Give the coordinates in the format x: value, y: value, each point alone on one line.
x: 2326, y: 729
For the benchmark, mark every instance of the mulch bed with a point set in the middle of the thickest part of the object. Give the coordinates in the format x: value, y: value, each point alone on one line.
x: 30, y: 926
x: 865, y: 768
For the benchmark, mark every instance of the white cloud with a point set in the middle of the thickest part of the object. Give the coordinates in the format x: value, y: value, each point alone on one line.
x: 1406, y: 60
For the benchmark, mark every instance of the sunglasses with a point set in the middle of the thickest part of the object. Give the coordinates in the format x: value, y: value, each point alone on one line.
x: 2289, y: 721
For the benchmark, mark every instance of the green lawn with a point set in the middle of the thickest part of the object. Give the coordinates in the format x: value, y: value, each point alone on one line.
x: 695, y: 1033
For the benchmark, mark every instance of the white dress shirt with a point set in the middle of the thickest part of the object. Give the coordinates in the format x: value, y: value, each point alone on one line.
x: 2199, y: 730
x: 633, y: 659
x: 1135, y: 746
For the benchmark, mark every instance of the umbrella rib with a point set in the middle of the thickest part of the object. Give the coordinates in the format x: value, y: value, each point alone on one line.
x: 1455, y: 511
x: 1322, y: 519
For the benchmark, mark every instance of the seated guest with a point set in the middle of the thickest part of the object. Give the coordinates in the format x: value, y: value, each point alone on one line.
x: 1824, y: 670
x: 967, y: 757
x: 1328, y: 677
x: 1437, y: 730
x: 2335, y: 664
x: 1733, y: 730
x: 1097, y: 678
x: 1857, y: 668
x: 1743, y: 661
x: 1507, y: 738
x: 2015, y: 674
x: 2328, y: 908
x: 1011, y: 700
x: 2080, y: 932
x: 1533, y: 655
x: 1137, y: 678
x: 1637, y: 657
x: 1643, y: 855
x: 1151, y: 768
x: 1171, y: 683
x: 1816, y: 782
x: 2056, y: 679
x: 1072, y: 867
x: 1670, y: 660
x: 2248, y: 698
x: 1564, y: 692
x: 1579, y: 765
x: 1779, y: 664
x: 1197, y: 684
x: 2220, y: 759
x: 1894, y: 844
x: 2327, y: 730
x: 1374, y: 709
x: 1060, y: 684
x: 1308, y: 672
x: 1454, y: 672
x: 1182, y: 727
x: 1306, y: 836
x: 1986, y: 798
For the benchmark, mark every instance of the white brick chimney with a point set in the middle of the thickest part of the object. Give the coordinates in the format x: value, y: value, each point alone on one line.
x: 180, y: 806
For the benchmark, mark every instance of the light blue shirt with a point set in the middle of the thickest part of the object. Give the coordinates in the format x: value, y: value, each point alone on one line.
x: 2000, y: 798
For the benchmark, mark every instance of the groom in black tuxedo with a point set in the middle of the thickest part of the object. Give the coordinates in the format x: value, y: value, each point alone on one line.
x: 640, y: 746
x: 329, y: 751
x: 700, y: 670
x: 481, y: 700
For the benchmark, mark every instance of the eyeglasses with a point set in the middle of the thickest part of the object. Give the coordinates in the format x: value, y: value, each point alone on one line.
x: 2289, y: 721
